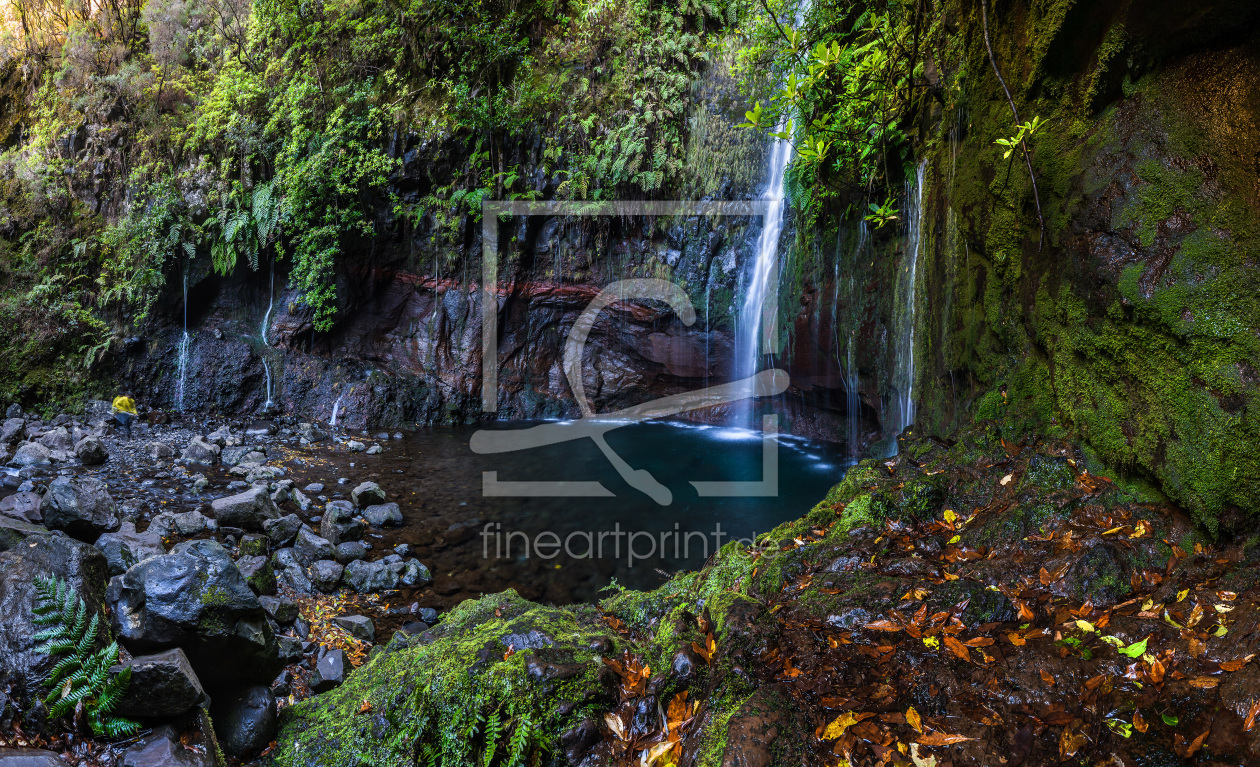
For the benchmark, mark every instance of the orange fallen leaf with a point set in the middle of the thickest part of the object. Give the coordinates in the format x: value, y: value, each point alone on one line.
x: 883, y: 625
x: 365, y: 707
x: 1252, y: 714
x: 1204, y: 682
x: 1070, y: 742
x: 957, y: 648
x: 1045, y: 677
x: 1236, y: 664
x: 914, y: 720
x: 979, y: 642
x: 942, y: 739
x: 1139, y: 722
x: 511, y: 650
x: 1016, y: 639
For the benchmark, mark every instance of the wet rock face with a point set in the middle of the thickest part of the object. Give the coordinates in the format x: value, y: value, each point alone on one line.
x: 246, y: 722
x: 195, y: 598
x: 80, y: 506
x: 162, y: 748
x: 29, y: 555
x: 249, y: 510
x: 162, y: 685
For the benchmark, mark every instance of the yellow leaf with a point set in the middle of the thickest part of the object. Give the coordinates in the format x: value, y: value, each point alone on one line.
x: 839, y: 725
x: 1085, y: 626
x: 912, y: 717
x: 932, y: 642
x: 1138, y: 531
x: 1181, y: 595
x: 955, y: 539
x: 950, y: 516
x: 1114, y: 530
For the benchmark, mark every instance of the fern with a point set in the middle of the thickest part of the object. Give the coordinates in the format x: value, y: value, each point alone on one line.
x: 82, y: 676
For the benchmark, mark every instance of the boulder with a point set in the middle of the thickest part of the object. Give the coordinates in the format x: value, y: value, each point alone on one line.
x: 28, y: 552
x: 29, y: 757
x: 309, y: 547
x: 310, y: 433
x: 374, y: 450
x: 245, y: 722
x: 314, y: 488
x: 231, y: 456
x: 414, y: 575
x: 124, y: 548
x: 248, y: 510
x: 11, y: 430
x: 282, y: 529
x: 201, y: 451
x: 258, y: 573
x: 81, y: 506
x: 220, y: 436
x: 162, y: 685
x: 383, y: 515
x: 195, y: 598
x: 325, y: 574
x: 159, y: 450
x: 370, y: 577
x: 164, y: 748
x: 57, y: 439
x: 31, y: 454
x: 14, y: 411
x: 91, y: 451
x: 355, y: 446
x: 190, y: 523
x: 330, y: 671
x: 22, y: 505
x: 367, y: 494
x: 349, y: 551
x: 279, y: 609
x: 340, y: 524
x: 357, y: 626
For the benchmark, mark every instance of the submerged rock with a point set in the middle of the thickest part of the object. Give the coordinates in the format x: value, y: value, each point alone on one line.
x: 164, y: 748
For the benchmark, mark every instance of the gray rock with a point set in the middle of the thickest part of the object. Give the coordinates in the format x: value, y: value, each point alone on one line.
x: 314, y: 488
x: 355, y: 446
x: 340, y: 524
x: 162, y: 685
x: 159, y: 451
x: 374, y: 450
x: 57, y: 439
x: 201, y: 451
x: 190, y: 523
x: 330, y: 671
x: 383, y: 515
x: 403, y: 549
x: 11, y: 430
x: 367, y: 494
x: 414, y: 574
x: 231, y: 456
x: 27, y: 552
x: 14, y: 411
x: 29, y: 757
x: 290, y: 649
x: 197, y: 599
x: 282, y: 529
x: 258, y: 573
x: 91, y: 451
x: 280, y: 609
x: 81, y: 507
x: 124, y: 548
x: 357, y: 626
x: 246, y: 722
x: 261, y: 429
x: 310, y: 433
x: 299, y: 498
x: 370, y: 577
x: 22, y: 505
x: 309, y: 547
x: 31, y: 454
x: 248, y: 510
x: 162, y: 748
x: 253, y: 545
x: 325, y: 574
x: 349, y: 551
x: 220, y: 436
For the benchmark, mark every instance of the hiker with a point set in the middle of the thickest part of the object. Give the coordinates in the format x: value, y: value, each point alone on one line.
x: 124, y: 412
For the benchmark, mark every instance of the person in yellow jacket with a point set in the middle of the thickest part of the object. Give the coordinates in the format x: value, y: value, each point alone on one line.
x: 124, y: 412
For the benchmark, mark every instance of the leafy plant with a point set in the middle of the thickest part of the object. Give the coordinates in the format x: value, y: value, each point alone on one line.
x: 883, y: 213
x: 1026, y: 130
x: 82, y: 677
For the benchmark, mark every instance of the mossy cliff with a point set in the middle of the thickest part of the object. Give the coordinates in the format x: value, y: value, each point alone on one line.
x: 1130, y: 320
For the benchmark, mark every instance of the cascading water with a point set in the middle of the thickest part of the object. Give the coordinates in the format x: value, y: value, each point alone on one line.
x: 852, y: 382
x: 904, y: 370
x: 185, y: 344
x: 262, y: 333
x: 336, y: 409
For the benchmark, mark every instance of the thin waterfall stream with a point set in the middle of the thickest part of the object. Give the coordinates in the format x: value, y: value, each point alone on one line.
x: 185, y: 344
x: 907, y: 306
x: 262, y: 334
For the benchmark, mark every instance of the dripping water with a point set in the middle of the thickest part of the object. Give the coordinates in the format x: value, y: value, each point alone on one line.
x: 262, y: 334
x: 185, y: 343
x: 907, y: 309
x: 336, y: 409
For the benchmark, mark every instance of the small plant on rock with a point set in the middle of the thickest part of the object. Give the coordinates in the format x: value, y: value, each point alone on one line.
x: 82, y: 677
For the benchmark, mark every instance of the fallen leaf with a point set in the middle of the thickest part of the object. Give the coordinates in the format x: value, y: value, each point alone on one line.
x: 957, y: 648
x: 1045, y: 677
x: 1204, y: 682
x: 1139, y: 723
x: 614, y: 723
x: 979, y: 642
x: 365, y: 707
x: 1006, y: 481
x: 883, y: 625
x: 942, y: 739
x: 1070, y: 742
x: 1016, y: 639
x: 1252, y: 714
x: 511, y: 650
x: 913, y: 719
x: 839, y: 725
x: 1235, y: 665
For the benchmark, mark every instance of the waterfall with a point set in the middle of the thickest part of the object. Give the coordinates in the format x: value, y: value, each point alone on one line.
x: 852, y: 381
x: 756, y: 327
x: 184, y: 345
x: 336, y: 409
x: 262, y: 333
x: 907, y: 305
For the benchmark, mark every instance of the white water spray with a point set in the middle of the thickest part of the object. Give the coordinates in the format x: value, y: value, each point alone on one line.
x: 904, y: 373
x: 185, y: 344
x: 262, y: 333
x: 336, y: 409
